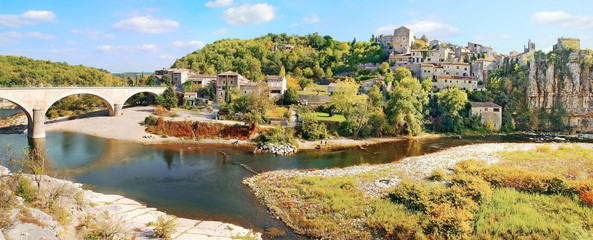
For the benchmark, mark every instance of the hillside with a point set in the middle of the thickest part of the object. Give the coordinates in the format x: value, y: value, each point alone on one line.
x: 312, y: 56
x: 27, y: 71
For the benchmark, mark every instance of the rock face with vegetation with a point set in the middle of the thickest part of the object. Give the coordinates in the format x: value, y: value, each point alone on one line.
x: 564, y: 77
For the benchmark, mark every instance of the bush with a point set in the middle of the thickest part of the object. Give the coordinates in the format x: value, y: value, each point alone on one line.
x: 151, y: 120
x: 165, y: 226
x: 314, y: 131
x: 25, y: 189
x: 278, y: 135
x: 437, y: 175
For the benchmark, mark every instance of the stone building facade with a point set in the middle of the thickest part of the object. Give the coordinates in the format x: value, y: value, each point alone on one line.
x: 488, y: 111
x: 403, y: 38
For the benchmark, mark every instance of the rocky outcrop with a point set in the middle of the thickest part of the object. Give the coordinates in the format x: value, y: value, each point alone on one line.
x: 276, y: 149
x: 566, y: 81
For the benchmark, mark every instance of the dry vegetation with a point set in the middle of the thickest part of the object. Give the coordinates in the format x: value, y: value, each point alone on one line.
x: 199, y: 130
x: 543, y: 193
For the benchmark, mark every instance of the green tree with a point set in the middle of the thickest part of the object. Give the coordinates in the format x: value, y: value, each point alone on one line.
x: 168, y: 99
x: 308, y: 72
x: 297, y: 72
x: 227, y: 94
x: 166, y: 79
x: 450, y: 102
x: 401, y: 73
x: 282, y: 71
x: 151, y: 80
x: 305, y: 82
x: 188, y: 86
x: 328, y: 72
x: 290, y: 96
x: 208, y: 91
x: 406, y: 107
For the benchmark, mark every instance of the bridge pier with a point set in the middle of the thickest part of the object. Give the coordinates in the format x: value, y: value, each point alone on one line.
x: 117, y: 109
x: 38, y: 128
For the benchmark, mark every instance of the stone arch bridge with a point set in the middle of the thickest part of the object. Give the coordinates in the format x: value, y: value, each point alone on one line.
x: 36, y: 101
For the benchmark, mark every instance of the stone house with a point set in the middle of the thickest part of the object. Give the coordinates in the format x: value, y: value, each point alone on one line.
x: 277, y: 85
x: 456, y: 69
x: 480, y: 69
x: 488, y: 111
x: 178, y: 75
x: 331, y: 87
x: 385, y: 40
x: 424, y: 56
x: 234, y: 80
x: 477, y: 48
x: 443, y: 82
x: 400, y: 59
x: 366, y: 85
x: 200, y: 80
x: 403, y: 38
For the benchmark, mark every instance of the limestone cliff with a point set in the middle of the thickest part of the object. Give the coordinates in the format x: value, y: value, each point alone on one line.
x: 564, y: 78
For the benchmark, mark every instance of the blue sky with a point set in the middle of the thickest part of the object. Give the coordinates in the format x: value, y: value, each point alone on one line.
x: 144, y: 35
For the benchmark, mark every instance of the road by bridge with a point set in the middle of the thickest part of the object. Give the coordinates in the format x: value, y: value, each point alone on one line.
x: 35, y: 101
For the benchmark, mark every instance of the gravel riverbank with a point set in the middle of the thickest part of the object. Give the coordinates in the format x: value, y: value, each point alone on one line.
x: 126, y: 218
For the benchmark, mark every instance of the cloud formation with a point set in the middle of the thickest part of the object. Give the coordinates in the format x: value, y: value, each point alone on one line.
x: 248, y: 14
x: 307, y: 20
x: 146, y: 24
x: 431, y: 29
x: 563, y: 20
x: 27, y: 18
x: 10, y: 37
x: 218, y: 3
x: 94, y: 34
x: 144, y: 48
x: 189, y: 45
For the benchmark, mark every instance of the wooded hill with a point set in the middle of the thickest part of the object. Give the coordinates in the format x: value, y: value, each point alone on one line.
x: 312, y: 56
x: 26, y: 71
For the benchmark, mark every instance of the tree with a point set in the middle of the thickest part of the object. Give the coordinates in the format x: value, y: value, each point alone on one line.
x: 406, y: 107
x: 166, y: 79
x: 227, y: 94
x: 308, y: 72
x: 188, y: 86
x: 401, y: 73
x: 290, y: 96
x: 450, y: 102
x: 319, y: 72
x: 297, y: 72
x: 282, y: 71
x: 151, y: 81
x: 168, y: 99
x: 208, y: 91
x: 328, y: 72
x: 424, y: 38
x: 305, y: 82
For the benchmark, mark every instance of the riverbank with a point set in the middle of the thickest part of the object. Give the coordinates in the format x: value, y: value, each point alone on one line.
x: 361, y: 201
x: 128, y: 128
x: 84, y: 212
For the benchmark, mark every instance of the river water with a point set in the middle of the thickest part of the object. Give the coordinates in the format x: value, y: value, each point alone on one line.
x: 4, y: 113
x: 196, y: 182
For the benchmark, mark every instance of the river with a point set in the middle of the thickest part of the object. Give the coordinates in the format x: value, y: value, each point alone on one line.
x: 196, y: 182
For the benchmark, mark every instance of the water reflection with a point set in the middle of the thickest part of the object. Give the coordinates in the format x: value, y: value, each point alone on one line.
x: 197, y: 182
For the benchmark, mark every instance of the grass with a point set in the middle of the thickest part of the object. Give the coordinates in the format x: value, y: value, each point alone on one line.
x: 277, y: 112
x: 314, y: 89
x: 324, y: 117
x: 528, y: 195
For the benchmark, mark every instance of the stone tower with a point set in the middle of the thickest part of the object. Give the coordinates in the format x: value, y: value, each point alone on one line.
x: 403, y: 38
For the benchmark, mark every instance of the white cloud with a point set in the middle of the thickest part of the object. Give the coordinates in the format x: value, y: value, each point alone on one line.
x: 27, y: 18
x: 248, y: 14
x: 10, y: 37
x: 307, y: 20
x: 220, y: 31
x: 64, y: 51
x: 190, y: 45
x: 144, y: 48
x: 146, y: 24
x: 166, y: 57
x: 430, y: 28
x: 218, y: 3
x: 563, y: 20
x: 94, y: 34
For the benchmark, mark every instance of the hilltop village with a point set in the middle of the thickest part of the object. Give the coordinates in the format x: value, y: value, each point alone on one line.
x: 445, y: 66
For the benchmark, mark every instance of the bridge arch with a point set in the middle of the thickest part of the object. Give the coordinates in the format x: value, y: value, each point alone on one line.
x: 25, y: 110
x: 108, y: 104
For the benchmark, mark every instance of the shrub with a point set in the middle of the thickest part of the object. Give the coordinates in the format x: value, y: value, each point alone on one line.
x: 314, y: 131
x: 437, y: 175
x: 165, y: 226
x: 25, y: 189
x: 150, y: 120
x: 587, y: 198
x: 278, y: 135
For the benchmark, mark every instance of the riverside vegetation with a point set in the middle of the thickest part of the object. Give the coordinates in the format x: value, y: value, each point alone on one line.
x: 542, y: 191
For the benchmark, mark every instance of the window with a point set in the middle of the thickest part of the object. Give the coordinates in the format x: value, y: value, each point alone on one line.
x: 457, y: 67
x: 497, y: 110
x: 486, y: 109
x: 404, y: 39
x: 231, y: 82
x: 397, y: 39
